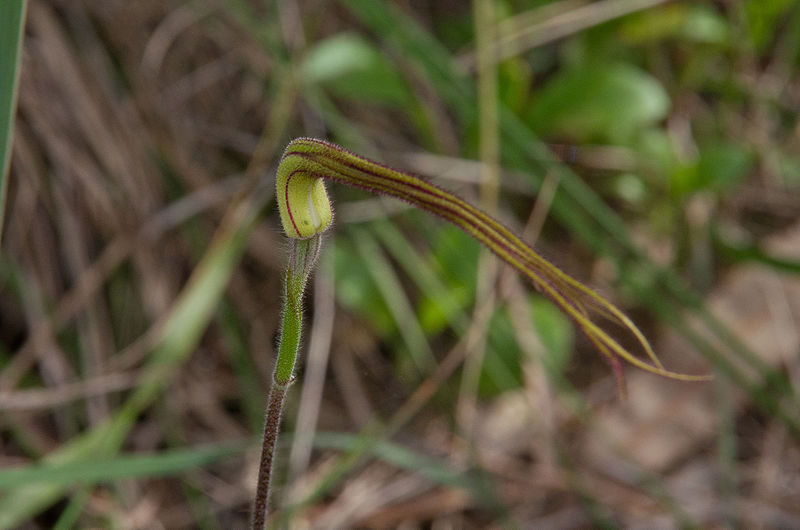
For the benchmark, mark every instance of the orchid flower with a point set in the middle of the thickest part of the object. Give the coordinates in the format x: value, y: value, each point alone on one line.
x: 306, y: 211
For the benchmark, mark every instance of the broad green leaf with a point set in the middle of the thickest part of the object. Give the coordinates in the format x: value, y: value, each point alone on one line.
x: 604, y: 102
x: 351, y: 67
x: 720, y: 167
x: 704, y: 24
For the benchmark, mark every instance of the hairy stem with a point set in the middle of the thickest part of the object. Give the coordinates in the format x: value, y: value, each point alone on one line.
x: 271, y: 428
x: 302, y: 257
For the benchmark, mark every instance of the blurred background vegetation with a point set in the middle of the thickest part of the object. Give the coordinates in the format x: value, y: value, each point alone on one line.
x: 649, y: 148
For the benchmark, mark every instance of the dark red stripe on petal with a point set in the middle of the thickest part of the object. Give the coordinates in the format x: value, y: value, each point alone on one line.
x: 288, y: 206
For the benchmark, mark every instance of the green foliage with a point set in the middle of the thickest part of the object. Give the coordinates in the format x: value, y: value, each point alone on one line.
x: 556, y: 333
x: 719, y: 168
x: 12, y: 22
x: 686, y: 23
x: 454, y: 256
x: 455, y: 265
x: 704, y: 25
x: 352, y: 68
x: 598, y: 103
x: 762, y: 17
x: 502, y: 369
x: 356, y: 289
x: 123, y: 466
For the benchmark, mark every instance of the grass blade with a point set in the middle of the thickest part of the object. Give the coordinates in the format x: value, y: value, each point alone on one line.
x: 12, y: 21
x: 165, y: 463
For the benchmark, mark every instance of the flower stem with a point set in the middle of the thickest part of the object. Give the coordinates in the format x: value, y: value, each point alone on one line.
x: 302, y: 257
x: 270, y: 440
